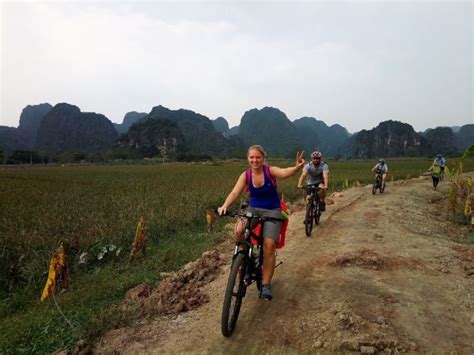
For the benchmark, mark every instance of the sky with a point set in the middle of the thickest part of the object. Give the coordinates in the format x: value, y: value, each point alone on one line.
x: 353, y: 63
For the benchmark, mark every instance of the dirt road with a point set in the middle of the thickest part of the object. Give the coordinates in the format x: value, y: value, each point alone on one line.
x: 380, y: 273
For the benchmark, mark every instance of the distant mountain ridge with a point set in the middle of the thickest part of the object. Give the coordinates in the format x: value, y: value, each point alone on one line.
x: 129, y: 119
x: 465, y: 137
x: 316, y: 134
x: 270, y: 128
x: 154, y: 136
x: 24, y: 137
x: 200, y: 136
x: 11, y: 138
x: 221, y: 125
x: 64, y: 128
x: 388, y: 139
x: 30, y: 121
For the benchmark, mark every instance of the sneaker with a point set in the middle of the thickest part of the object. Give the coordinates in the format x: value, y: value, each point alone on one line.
x: 266, y: 293
x: 323, y: 207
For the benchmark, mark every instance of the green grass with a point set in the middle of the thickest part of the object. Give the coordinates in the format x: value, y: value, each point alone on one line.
x: 93, y: 206
x: 89, y: 301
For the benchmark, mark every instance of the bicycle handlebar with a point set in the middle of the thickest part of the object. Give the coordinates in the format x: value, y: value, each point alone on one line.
x: 316, y: 186
x: 249, y: 215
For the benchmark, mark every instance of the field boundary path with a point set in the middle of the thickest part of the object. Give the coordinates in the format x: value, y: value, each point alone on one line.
x: 381, y: 273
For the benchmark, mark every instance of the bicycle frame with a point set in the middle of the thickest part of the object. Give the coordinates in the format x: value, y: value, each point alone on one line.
x: 378, y: 180
x: 314, y: 197
x: 312, y: 208
x: 249, y: 236
x: 378, y: 183
x: 244, y: 270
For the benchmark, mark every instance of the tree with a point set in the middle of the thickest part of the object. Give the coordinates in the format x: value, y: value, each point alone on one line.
x: 24, y: 157
x: 469, y: 152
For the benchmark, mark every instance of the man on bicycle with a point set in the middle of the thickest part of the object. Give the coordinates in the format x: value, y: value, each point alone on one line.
x: 316, y: 173
x: 440, y: 161
x: 381, y: 168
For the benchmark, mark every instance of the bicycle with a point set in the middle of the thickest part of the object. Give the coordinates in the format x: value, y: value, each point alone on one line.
x: 313, y: 209
x: 378, y: 184
x: 246, y: 269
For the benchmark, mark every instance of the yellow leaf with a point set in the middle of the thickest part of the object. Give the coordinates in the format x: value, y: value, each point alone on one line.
x: 210, y: 219
x: 140, y: 239
x: 57, y: 273
x: 51, y: 281
x: 467, y: 207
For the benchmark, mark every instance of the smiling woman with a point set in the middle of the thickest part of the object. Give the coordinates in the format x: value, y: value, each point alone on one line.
x: 260, y: 181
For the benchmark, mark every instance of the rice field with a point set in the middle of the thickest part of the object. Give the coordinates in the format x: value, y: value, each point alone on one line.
x: 91, y: 206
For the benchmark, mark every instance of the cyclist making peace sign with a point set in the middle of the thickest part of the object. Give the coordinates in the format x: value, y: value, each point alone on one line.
x: 264, y: 201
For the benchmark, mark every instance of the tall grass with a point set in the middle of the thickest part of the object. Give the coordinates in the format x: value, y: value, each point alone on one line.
x: 461, y: 197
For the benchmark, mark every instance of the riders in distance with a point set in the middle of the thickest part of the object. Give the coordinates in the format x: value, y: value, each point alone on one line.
x: 440, y: 161
x: 381, y: 168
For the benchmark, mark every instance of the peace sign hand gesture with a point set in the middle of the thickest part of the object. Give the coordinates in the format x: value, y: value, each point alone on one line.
x: 299, y: 160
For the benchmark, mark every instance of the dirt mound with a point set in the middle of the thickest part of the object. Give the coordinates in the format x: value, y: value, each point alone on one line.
x: 180, y: 291
x: 365, y: 333
x: 466, y: 254
x: 369, y: 259
x: 364, y: 258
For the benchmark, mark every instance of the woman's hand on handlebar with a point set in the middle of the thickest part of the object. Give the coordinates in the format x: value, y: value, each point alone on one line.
x: 222, y: 210
x: 299, y: 186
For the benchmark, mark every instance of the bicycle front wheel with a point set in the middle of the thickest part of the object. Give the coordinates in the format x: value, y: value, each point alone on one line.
x: 308, y: 226
x: 234, y: 294
x: 317, y: 213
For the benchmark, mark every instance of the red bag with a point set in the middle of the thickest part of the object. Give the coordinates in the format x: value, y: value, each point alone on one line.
x: 281, y: 241
x: 284, y: 209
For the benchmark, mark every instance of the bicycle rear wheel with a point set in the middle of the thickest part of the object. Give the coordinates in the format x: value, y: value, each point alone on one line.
x: 234, y: 293
x: 308, y: 226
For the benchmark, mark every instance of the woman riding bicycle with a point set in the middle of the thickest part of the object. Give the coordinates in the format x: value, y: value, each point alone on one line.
x: 264, y: 201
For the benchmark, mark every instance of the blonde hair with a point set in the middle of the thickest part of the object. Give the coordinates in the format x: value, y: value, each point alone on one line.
x: 259, y: 148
